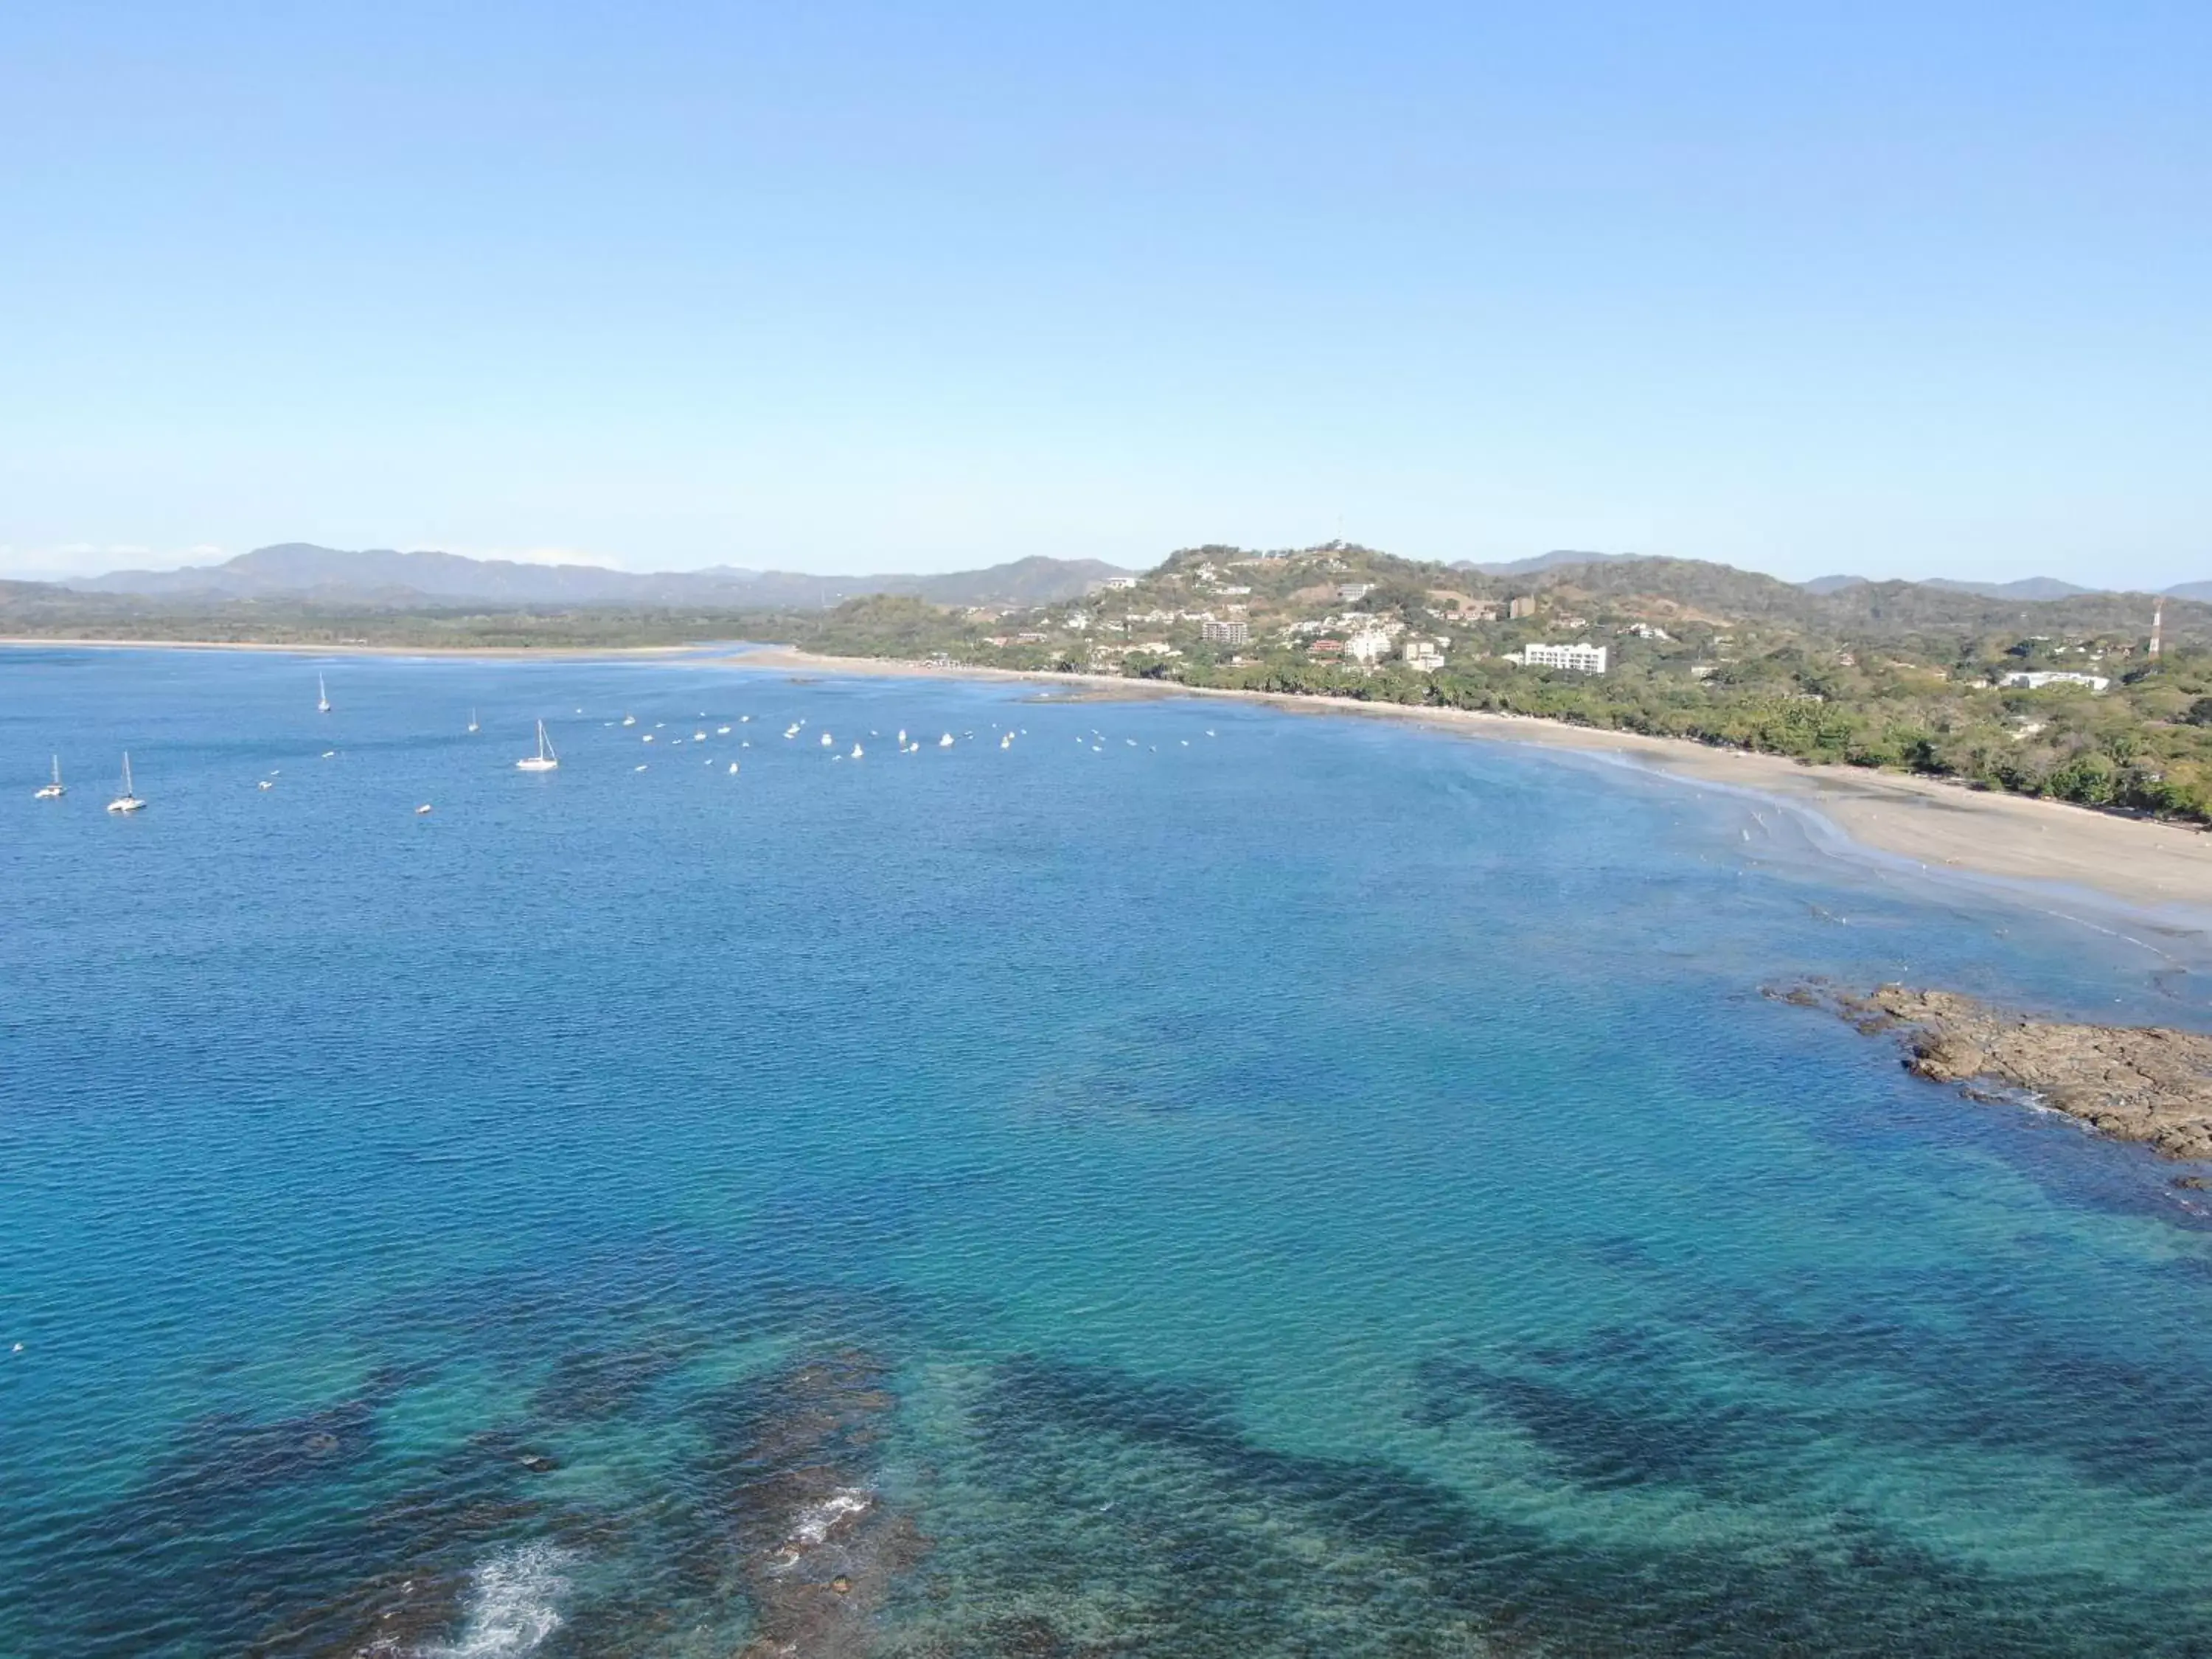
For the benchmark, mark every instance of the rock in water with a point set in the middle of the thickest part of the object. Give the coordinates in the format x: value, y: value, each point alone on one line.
x: 2145, y: 1083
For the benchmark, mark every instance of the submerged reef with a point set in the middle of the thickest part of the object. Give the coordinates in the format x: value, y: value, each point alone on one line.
x: 821, y: 1544
x: 2143, y: 1083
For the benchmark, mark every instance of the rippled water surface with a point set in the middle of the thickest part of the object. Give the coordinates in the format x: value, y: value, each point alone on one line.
x: 1199, y: 1181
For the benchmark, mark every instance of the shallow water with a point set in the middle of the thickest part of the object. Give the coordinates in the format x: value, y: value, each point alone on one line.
x: 1321, y: 1188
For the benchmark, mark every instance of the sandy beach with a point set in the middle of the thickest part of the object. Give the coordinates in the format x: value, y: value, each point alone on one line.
x: 1929, y: 821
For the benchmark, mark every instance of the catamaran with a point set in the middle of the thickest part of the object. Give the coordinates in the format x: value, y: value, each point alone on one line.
x: 322, y: 696
x: 472, y: 720
x: 128, y: 801
x: 544, y: 760
x: 52, y: 791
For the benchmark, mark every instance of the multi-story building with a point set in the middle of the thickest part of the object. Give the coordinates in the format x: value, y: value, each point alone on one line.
x: 2036, y: 679
x: 1522, y: 604
x: 1367, y: 646
x: 1580, y: 659
x: 1225, y: 633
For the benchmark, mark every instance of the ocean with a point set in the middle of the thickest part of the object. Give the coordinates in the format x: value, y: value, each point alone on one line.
x: 1195, y: 1180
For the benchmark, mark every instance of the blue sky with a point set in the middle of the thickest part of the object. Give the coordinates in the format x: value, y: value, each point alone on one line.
x: 1892, y: 289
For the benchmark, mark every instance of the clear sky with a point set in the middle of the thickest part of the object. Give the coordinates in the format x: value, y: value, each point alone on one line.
x: 1894, y: 289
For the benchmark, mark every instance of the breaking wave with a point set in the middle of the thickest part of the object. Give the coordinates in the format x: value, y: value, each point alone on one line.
x: 513, y: 1604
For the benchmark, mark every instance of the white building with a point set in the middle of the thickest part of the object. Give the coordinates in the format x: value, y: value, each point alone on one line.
x: 1424, y: 654
x: 1367, y: 646
x: 1115, y: 584
x: 1225, y: 633
x: 2036, y: 679
x: 1579, y: 658
x: 1353, y: 593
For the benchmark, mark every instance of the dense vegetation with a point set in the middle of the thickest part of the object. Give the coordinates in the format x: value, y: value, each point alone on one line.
x: 1892, y: 674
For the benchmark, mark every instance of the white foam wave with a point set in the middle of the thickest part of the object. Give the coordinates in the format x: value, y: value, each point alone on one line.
x: 815, y: 1524
x: 512, y: 1606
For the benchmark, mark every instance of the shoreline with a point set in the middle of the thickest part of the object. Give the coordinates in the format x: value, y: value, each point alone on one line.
x: 1936, y: 823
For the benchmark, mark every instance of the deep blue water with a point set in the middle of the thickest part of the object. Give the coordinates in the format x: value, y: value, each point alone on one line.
x: 1239, y: 1183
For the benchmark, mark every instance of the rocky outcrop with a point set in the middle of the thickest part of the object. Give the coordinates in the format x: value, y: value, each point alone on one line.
x: 2145, y: 1083
x: 822, y: 1545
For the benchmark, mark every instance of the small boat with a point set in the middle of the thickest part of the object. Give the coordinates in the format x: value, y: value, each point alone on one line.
x: 472, y: 720
x: 733, y: 769
x: 790, y: 731
x: 721, y: 731
x: 647, y: 738
x: 128, y: 801
x: 945, y: 742
x: 630, y: 719
x: 902, y: 737
x: 423, y: 808
x: 544, y: 760
x: 53, y: 790
x: 825, y: 739
x: 637, y: 768
x: 856, y: 751
x: 701, y: 736
x: 265, y: 784
x: 330, y: 754
x: 322, y: 696
x: 1006, y: 742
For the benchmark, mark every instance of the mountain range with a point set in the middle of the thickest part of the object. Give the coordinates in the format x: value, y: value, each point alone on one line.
x: 384, y: 578
x: 2028, y: 587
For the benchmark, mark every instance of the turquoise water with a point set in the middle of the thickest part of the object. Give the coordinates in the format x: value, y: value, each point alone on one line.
x: 1238, y: 1184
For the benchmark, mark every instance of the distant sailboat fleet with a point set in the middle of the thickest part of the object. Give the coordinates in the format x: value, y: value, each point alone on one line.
x: 547, y: 759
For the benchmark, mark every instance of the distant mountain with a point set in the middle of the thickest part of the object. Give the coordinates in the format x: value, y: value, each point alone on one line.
x: 1825, y: 585
x: 386, y: 578
x: 1542, y: 561
x: 2190, y: 591
x: 2028, y: 587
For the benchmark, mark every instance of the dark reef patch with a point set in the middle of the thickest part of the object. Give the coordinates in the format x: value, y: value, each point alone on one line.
x: 1214, y: 1582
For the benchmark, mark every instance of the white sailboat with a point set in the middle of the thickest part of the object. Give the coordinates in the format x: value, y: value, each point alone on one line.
x: 128, y: 801
x: 856, y: 751
x: 945, y: 742
x: 53, y: 790
x: 544, y: 760
x: 825, y: 739
x: 472, y: 720
x: 322, y: 696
